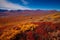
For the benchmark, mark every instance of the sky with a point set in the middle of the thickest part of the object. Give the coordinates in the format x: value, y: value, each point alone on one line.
x: 30, y: 4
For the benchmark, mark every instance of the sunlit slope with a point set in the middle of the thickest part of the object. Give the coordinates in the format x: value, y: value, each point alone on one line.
x: 29, y: 18
x: 9, y: 31
x: 51, y: 18
x: 11, y: 26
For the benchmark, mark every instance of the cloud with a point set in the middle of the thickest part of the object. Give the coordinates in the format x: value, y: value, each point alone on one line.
x: 11, y: 6
x: 24, y: 2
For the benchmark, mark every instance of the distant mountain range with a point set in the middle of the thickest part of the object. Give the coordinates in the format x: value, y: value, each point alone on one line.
x: 3, y: 10
x: 25, y: 12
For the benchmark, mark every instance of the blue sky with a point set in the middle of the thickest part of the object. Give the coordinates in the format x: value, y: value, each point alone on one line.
x: 30, y: 4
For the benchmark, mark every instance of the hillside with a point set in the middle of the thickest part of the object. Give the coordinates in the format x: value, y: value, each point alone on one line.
x: 23, y: 15
x: 38, y: 26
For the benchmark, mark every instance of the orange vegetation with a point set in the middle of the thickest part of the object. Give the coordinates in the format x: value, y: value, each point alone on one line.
x: 30, y: 27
